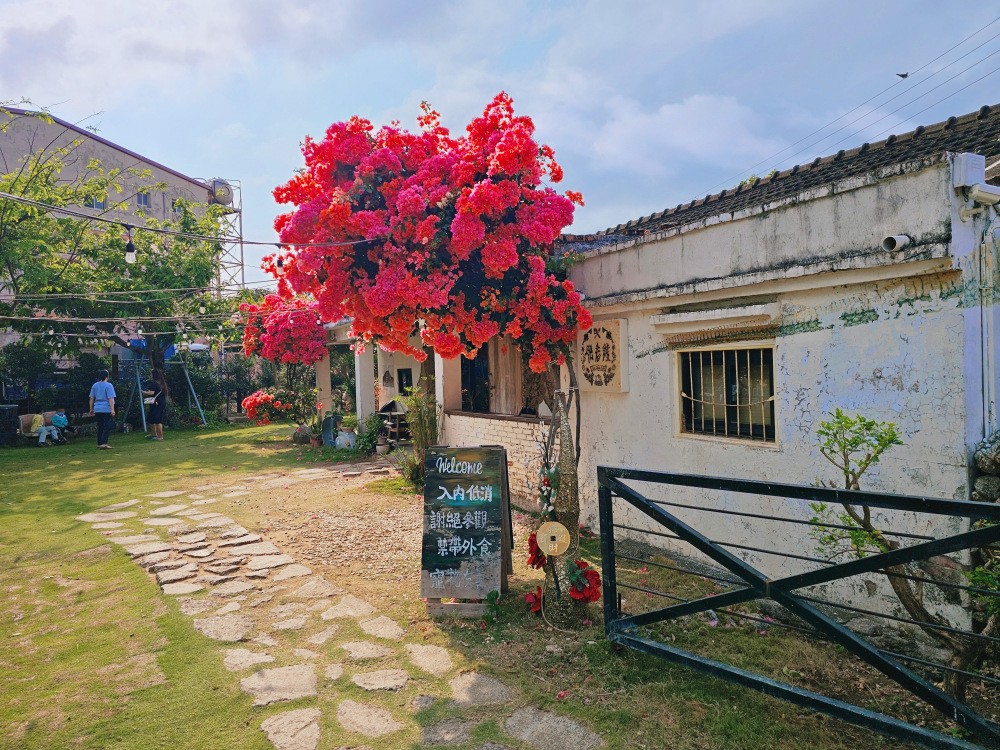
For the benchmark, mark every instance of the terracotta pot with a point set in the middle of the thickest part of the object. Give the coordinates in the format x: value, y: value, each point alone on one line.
x: 316, y: 441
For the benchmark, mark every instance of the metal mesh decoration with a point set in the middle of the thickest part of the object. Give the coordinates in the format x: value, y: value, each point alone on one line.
x: 568, y: 495
x: 559, y: 607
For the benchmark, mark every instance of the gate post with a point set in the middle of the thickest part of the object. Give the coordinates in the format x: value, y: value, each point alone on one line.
x: 606, y: 520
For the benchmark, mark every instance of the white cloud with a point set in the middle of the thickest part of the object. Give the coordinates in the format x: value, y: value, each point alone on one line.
x: 703, y: 128
x: 82, y: 54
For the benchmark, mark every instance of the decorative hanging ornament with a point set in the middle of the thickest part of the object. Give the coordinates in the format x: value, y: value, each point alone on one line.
x: 129, y: 247
x: 552, y: 538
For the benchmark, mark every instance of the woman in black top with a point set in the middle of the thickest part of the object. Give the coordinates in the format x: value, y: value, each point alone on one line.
x: 156, y: 388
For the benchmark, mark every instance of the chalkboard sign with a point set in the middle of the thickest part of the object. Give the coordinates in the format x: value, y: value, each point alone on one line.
x: 466, y: 543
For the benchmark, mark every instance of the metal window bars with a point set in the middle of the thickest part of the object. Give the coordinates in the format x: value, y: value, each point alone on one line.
x: 728, y: 392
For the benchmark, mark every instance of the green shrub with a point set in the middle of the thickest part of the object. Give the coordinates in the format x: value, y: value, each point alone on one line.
x: 368, y: 435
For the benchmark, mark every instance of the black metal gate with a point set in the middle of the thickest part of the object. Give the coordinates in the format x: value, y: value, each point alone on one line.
x: 810, y: 613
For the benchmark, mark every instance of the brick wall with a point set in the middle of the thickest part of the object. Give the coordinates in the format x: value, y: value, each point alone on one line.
x: 520, y: 436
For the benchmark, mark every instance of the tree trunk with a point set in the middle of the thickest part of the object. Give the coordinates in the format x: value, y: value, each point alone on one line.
x: 964, y: 651
x: 156, y: 359
x: 567, y: 501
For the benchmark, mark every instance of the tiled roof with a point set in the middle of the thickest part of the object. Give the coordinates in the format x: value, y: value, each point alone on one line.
x: 977, y: 132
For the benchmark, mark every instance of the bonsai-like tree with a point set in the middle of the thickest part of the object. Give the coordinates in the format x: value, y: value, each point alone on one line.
x: 854, y: 445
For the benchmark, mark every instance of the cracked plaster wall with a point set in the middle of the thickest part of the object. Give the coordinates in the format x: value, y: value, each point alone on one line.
x: 819, y: 233
x: 892, y: 351
x: 890, y: 348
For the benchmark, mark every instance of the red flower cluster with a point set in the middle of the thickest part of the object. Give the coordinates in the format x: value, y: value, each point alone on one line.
x: 536, y: 559
x: 285, y: 331
x: 446, y: 238
x: 584, y: 581
x: 534, y: 600
x: 263, y: 407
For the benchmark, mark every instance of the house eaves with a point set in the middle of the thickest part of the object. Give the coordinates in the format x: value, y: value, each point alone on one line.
x: 977, y: 132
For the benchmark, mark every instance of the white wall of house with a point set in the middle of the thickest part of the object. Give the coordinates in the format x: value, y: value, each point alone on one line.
x: 890, y: 335
x: 392, y: 363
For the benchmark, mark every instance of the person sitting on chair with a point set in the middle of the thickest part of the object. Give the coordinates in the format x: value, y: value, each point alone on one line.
x: 61, y: 422
x: 38, y: 425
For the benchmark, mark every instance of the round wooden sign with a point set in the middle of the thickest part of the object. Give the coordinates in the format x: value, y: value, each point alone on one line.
x: 552, y: 538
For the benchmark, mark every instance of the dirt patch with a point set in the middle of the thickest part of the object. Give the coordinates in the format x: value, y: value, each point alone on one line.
x: 138, y: 672
x: 94, y: 552
x: 385, y: 542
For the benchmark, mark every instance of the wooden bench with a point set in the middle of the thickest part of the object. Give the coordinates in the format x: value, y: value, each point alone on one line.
x: 25, y: 431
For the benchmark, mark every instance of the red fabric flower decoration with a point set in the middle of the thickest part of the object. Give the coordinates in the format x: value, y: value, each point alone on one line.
x: 536, y: 559
x: 534, y: 600
x: 585, y: 582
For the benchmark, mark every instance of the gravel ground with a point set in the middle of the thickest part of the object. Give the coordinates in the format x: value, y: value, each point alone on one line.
x: 385, y: 542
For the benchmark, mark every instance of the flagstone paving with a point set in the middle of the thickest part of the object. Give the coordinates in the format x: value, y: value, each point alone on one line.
x: 241, y: 588
x: 294, y: 730
x: 382, y: 679
x: 269, y: 686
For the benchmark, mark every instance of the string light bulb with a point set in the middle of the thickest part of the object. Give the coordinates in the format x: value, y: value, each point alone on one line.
x: 129, y: 247
x: 279, y: 266
x: 201, y: 309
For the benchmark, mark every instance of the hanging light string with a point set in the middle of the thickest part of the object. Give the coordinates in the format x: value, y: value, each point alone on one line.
x: 137, y: 319
x: 161, y: 290
x: 171, y: 232
x: 93, y: 335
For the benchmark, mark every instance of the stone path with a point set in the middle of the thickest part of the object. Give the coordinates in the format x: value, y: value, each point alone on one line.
x: 290, y: 635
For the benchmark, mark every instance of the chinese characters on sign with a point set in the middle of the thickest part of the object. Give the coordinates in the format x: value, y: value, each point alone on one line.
x: 603, y: 356
x: 463, y: 522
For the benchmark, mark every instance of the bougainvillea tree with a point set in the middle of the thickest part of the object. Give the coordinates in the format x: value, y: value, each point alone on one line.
x: 446, y: 238
x: 285, y: 331
x: 421, y: 233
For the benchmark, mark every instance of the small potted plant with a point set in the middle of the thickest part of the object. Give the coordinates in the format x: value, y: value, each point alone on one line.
x: 316, y: 427
x: 382, y: 441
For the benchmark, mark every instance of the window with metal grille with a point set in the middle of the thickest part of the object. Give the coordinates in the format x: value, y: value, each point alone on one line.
x: 728, y: 393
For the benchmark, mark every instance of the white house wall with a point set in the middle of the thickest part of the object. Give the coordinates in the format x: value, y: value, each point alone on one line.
x: 886, y: 337
x: 393, y: 362
x: 836, y: 228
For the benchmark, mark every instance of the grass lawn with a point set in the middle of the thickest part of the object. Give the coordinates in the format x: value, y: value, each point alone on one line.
x: 94, y: 656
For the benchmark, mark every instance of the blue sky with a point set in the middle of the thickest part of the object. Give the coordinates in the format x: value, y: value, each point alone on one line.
x: 647, y: 104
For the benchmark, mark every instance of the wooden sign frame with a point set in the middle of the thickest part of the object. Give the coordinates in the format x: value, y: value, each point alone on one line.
x: 454, y: 564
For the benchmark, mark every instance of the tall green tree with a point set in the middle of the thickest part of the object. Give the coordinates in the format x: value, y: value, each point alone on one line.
x: 64, y: 279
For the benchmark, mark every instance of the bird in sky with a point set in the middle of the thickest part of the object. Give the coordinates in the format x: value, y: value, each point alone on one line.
x: 903, y: 75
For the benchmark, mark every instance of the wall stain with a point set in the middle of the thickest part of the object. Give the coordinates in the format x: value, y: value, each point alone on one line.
x: 859, y: 317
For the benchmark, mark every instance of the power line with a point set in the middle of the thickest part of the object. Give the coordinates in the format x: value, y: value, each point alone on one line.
x: 87, y: 295
x: 45, y: 320
x: 770, y: 159
x: 902, y: 107
x: 930, y: 106
x: 172, y: 232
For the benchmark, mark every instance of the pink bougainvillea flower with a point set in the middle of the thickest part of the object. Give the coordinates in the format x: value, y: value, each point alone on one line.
x: 399, y: 230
